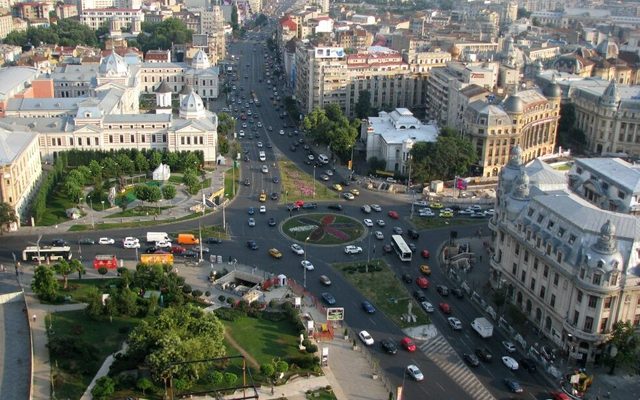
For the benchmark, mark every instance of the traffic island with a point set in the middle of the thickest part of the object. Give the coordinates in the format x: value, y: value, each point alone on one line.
x: 323, y: 229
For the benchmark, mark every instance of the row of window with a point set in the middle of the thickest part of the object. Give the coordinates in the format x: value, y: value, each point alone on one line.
x: 155, y: 138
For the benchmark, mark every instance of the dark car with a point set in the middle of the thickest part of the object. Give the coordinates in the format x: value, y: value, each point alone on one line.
x: 412, y: 247
x: 389, y: 346
x: 58, y: 242
x: 309, y: 206
x: 471, y: 359
x: 513, y: 385
x: 246, y: 158
x: 276, y: 179
x: 387, y: 248
x: 419, y: 295
x: 458, y: 292
x: 484, y: 354
x: 407, y: 278
x: 368, y: 307
x: 151, y: 250
x: 413, y: 234
x: 443, y: 290
x: 337, y: 207
x: 328, y: 298
x: 252, y: 244
x: 293, y: 207
x: 86, y: 241
x: 275, y: 196
x: 272, y: 221
x: 527, y: 364
x: 213, y: 240
x: 247, y: 182
x: 189, y: 254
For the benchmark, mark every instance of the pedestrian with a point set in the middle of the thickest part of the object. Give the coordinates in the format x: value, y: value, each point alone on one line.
x: 34, y: 317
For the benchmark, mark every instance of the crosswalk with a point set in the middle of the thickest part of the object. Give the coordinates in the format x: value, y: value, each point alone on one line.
x: 440, y: 352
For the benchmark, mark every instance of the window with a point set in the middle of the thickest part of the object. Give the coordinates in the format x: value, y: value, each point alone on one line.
x: 559, y: 257
x: 133, y: 139
x: 538, y: 242
x: 572, y: 239
x: 532, y: 285
x: 121, y: 138
x: 556, y: 279
x: 110, y: 138
x: 526, y: 256
x: 593, y: 301
x: 581, y: 273
x: 543, y: 291
x: 579, y: 298
x: 523, y: 276
x: 530, y: 212
x: 517, y: 248
x: 588, y: 324
x: 603, y: 325
x: 576, y: 317
x: 540, y: 218
x: 548, y: 248
x: 606, y: 304
x: 535, y: 264
x: 514, y: 269
x: 550, y: 224
x: 153, y: 138
x: 561, y: 231
x: 552, y: 301
x: 596, y: 279
x: 614, y: 279
x: 545, y: 272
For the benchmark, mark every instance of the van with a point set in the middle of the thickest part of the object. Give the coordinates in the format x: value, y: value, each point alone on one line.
x: 262, y: 156
x: 187, y: 238
x: 323, y: 159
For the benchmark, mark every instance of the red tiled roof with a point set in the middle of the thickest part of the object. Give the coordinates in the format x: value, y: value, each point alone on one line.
x: 289, y: 24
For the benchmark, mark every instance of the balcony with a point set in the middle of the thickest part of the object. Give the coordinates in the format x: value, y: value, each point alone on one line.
x: 580, y: 334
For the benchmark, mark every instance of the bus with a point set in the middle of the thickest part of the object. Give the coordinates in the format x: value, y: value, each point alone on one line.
x: 44, y: 253
x: 105, y: 260
x: 400, y: 246
x: 156, y: 258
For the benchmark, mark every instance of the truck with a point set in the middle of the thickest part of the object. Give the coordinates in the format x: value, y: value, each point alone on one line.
x: 157, y: 258
x: 187, y: 238
x: 105, y: 260
x: 483, y: 327
x: 153, y: 237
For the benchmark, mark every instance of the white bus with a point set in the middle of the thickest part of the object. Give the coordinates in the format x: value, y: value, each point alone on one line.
x: 42, y: 253
x: 402, y: 249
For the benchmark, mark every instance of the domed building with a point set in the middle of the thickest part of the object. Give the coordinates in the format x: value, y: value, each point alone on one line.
x: 568, y: 255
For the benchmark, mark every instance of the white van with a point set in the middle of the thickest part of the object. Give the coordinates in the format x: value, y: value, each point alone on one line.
x: 262, y: 156
x: 323, y: 159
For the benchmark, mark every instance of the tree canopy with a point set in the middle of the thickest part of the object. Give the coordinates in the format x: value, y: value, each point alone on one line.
x: 330, y: 126
x: 67, y: 32
x: 7, y: 215
x: 161, y: 35
x: 624, y: 346
x: 363, y: 106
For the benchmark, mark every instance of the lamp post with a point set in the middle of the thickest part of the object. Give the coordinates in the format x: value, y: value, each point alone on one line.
x: 304, y: 269
x: 314, y: 181
x: 368, y: 251
x: 102, y: 201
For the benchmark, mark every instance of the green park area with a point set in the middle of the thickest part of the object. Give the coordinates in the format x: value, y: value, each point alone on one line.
x: 380, y: 285
x: 422, y: 223
x: 323, y: 228
x: 298, y: 185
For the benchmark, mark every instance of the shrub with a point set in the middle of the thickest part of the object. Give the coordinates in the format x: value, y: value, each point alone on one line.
x: 222, y: 298
x: 230, y: 300
x: 186, y: 289
x: 103, y: 270
x: 228, y: 314
x: 207, y: 293
x: 306, y: 361
x: 196, y: 293
x: 312, y: 348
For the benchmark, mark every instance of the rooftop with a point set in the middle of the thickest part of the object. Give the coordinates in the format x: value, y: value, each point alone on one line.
x: 400, y: 125
x: 13, y: 144
x: 616, y: 170
x: 13, y: 77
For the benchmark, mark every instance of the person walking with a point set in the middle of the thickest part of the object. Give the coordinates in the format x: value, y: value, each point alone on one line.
x: 34, y: 317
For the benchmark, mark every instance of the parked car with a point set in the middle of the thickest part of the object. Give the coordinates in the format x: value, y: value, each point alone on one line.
x: 425, y: 269
x: 443, y: 290
x: 407, y: 278
x: 457, y: 292
x: 455, y: 323
x: 527, y: 364
x: 252, y: 245
x: 422, y: 282
x: 419, y: 295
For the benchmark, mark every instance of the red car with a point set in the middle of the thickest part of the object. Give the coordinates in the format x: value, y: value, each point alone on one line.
x: 444, y: 307
x: 425, y: 253
x: 408, y: 344
x: 299, y: 203
x: 177, y: 249
x: 394, y: 214
x: 422, y: 282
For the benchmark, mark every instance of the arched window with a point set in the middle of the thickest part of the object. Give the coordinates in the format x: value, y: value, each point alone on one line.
x: 547, y: 324
x: 528, y: 309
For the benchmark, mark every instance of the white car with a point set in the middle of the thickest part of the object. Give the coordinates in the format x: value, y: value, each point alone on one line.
x: 265, y: 169
x: 368, y: 222
x: 376, y: 207
x: 489, y: 212
x: 306, y: 264
x: 351, y: 249
x: 426, y: 214
x: 366, y: 338
x: 259, y: 144
x: 105, y: 240
x: 311, y: 157
x: 421, y: 203
x: 510, y: 363
x: 244, y: 125
x: 131, y: 239
x: 348, y: 196
x: 296, y: 248
x: 381, y: 222
x: 379, y: 235
x: 509, y: 346
x: 428, y: 307
x: 414, y: 372
x: 131, y: 245
x: 281, y: 132
x: 263, y: 209
x: 259, y: 124
x: 455, y: 323
x: 252, y: 222
x: 163, y: 244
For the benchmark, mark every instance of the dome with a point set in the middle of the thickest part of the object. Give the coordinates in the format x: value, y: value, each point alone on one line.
x: 513, y: 104
x: 520, y: 188
x: 552, y: 90
x: 163, y: 88
x: 603, y: 254
x: 113, y: 64
x: 200, y: 60
x: 192, y: 106
x: 611, y: 95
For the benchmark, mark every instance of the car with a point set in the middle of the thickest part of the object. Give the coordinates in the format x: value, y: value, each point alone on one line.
x: 407, y: 278
x: 265, y: 169
x: 275, y: 253
x: 471, y: 359
x: 86, y: 241
x: 412, y: 247
x: 427, y: 307
x: 325, y: 280
x: 367, y: 222
x: 270, y: 128
x: 293, y: 147
x: 490, y: 212
x: 421, y: 203
x: 387, y: 248
x: 445, y: 308
x: 272, y: 221
x: 527, y: 364
x: 355, y: 192
x: 263, y: 197
x: 478, y: 215
x: 213, y: 240
x: 413, y: 234
x: 510, y: 363
x: 259, y: 144
x: 419, y: 295
x: 484, y: 354
x: 296, y: 248
x: 414, y: 372
x: 328, y: 298
x: 425, y: 269
x: 151, y: 250
x: 274, y: 196
x: 336, y: 207
x: 455, y: 323
x: 408, y: 344
x: 379, y: 235
x: 389, y: 346
x: 436, y: 205
x: 368, y: 307
x: 513, y: 385
x: 425, y: 254
x: 251, y: 222
x: 275, y: 179
x: 351, y: 249
x: 422, y: 282
x: 348, y: 196
x: 131, y: 245
x: 252, y: 244
x: 426, y: 213
x: 366, y: 338
x: 324, y: 177
x: 247, y: 182
x: 443, y: 290
x: 189, y: 254
x: 198, y: 248
x: 337, y: 187
x: 397, y: 230
x: 306, y: 264
x: 445, y: 214
x: 458, y: 293
x: 329, y: 172
x: 376, y: 207
x: 310, y: 206
x: 393, y: 214
x: 263, y: 209
x: 106, y: 240
x: 251, y: 211
x: 310, y: 157
x: 509, y: 346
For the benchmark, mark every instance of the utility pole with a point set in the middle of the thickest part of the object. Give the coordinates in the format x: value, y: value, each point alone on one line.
x: 304, y: 269
x: 200, y: 240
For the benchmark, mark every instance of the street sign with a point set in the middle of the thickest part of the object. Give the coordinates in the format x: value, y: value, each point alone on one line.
x: 335, y: 314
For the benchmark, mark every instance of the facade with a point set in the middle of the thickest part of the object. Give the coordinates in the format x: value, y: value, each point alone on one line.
x: 526, y: 119
x: 20, y: 168
x: 101, y: 4
x: 32, y: 10
x: 6, y: 25
x: 123, y: 17
x: 391, y: 136
x: 66, y: 11
x: 566, y: 250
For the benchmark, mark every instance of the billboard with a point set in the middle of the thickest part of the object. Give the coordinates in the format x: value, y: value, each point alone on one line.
x: 335, y: 314
x: 329, y: 52
x: 156, y: 258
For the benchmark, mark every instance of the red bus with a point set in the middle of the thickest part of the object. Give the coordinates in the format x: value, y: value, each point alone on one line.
x: 105, y: 260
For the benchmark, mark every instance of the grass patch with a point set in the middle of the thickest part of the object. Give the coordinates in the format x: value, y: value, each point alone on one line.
x: 342, y: 229
x: 140, y: 211
x: 175, y: 178
x: 382, y: 287
x: 57, y: 205
x: 72, y: 374
x: 321, y: 394
x: 229, y: 180
x: 300, y: 186
x: 79, y: 288
x: 134, y: 224
x: 264, y: 339
x: 436, y: 222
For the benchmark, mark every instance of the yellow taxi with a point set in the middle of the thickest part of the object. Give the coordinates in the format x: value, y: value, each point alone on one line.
x: 446, y: 214
x: 355, y: 192
x: 263, y: 197
x: 425, y: 269
x: 436, y: 205
x: 275, y: 253
x: 337, y: 186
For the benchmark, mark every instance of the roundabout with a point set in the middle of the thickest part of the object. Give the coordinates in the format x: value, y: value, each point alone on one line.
x: 323, y: 229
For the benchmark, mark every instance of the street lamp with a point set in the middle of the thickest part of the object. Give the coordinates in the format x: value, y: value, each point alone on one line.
x: 314, y: 181
x: 304, y: 269
x: 368, y: 251
x: 102, y: 201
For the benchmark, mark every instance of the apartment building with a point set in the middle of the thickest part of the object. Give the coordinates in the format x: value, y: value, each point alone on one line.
x: 566, y: 248
x: 6, y: 25
x: 122, y: 17
x: 528, y: 119
x: 32, y: 10
x: 101, y: 4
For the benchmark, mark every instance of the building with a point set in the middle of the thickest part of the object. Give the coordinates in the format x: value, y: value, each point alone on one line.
x: 526, y: 119
x: 13, y: 81
x: 566, y: 251
x: 32, y: 10
x: 391, y: 136
x: 116, y: 18
x: 66, y: 10
x: 6, y: 25
x: 101, y: 4
x: 20, y: 168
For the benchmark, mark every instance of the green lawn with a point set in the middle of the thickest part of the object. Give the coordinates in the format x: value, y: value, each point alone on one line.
x: 384, y: 289
x: 299, y: 185
x: 321, y: 394
x: 106, y: 336
x: 231, y: 175
x: 134, y: 224
x: 140, y: 211
x: 341, y: 229
x: 263, y: 339
x: 175, y: 178
x: 55, y: 213
x: 437, y: 222
x: 79, y: 288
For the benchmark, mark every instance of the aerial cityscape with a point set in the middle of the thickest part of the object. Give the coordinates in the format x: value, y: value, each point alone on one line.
x: 290, y: 199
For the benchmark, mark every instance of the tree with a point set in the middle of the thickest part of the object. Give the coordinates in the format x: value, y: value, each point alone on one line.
x: 268, y: 370
x: 168, y: 192
x: 144, y: 384
x: 234, y: 18
x: 44, y: 283
x: 155, y: 159
x: 363, y: 106
x: 64, y: 268
x: 141, y: 163
x: 94, y: 303
x: 104, y: 388
x: 190, y: 179
x: 623, y: 346
x: 154, y: 194
x: 223, y: 144
x: 330, y: 126
x: 76, y: 266
x: 7, y: 215
x: 126, y: 301
x: 161, y: 35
